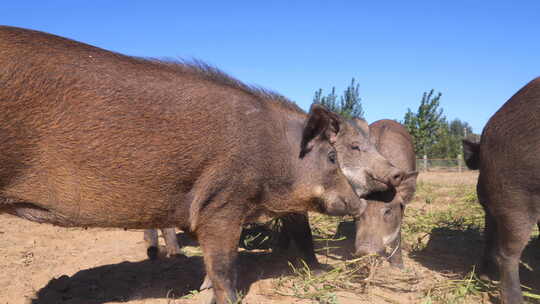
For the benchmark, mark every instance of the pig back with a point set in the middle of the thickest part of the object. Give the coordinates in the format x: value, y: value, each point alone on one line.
x: 509, y: 158
x: 87, y: 132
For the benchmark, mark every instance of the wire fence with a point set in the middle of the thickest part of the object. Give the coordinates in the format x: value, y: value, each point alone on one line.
x: 441, y: 164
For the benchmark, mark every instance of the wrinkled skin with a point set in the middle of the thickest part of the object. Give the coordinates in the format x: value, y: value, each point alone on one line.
x: 92, y: 138
x: 508, y: 185
x: 379, y: 226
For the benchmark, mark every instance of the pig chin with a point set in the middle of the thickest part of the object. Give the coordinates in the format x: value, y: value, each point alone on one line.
x: 370, y: 187
x: 358, y: 181
x: 388, y: 239
x: 362, y: 182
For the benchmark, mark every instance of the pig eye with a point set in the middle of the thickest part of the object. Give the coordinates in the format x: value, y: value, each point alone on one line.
x: 357, y: 146
x: 387, y: 211
x: 332, y: 157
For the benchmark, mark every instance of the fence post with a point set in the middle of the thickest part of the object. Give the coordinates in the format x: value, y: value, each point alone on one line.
x: 460, y: 162
x: 425, y: 162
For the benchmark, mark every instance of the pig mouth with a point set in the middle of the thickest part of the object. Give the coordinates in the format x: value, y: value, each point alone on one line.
x: 386, y: 251
x: 378, y: 185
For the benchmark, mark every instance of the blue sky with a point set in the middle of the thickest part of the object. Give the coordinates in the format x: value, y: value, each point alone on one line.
x: 477, y: 53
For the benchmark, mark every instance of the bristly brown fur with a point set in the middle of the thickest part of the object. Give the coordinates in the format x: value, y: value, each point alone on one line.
x: 508, y: 186
x: 208, y: 72
x: 94, y: 138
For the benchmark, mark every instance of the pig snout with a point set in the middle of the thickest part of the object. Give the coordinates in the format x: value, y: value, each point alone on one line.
x: 395, y: 177
x: 392, y: 178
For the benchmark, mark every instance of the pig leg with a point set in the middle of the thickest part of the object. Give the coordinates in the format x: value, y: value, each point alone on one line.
x: 513, y: 235
x: 219, y: 243
x: 151, y: 240
x: 488, y: 268
x: 171, y: 241
x: 283, y: 238
x: 396, y: 259
x: 296, y: 227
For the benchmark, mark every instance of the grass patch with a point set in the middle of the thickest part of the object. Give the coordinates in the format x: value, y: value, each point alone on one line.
x: 466, y: 290
x: 321, y: 286
x: 441, y: 235
x: 456, y: 211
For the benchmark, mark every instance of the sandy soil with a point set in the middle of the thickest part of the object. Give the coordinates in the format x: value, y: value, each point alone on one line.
x: 47, y: 264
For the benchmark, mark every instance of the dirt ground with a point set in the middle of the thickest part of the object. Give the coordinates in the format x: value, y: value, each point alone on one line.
x: 47, y: 264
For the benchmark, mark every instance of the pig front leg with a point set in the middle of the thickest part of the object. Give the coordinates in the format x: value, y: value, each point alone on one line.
x: 296, y: 227
x: 219, y: 242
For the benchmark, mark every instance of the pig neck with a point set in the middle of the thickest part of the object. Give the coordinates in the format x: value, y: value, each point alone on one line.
x: 300, y: 192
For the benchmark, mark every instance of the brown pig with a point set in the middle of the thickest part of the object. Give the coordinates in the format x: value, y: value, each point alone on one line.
x: 93, y: 138
x: 508, y: 185
x: 380, y: 225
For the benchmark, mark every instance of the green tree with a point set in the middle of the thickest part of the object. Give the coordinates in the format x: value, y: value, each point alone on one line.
x: 461, y: 128
x: 350, y: 101
x: 349, y: 104
x: 329, y: 101
x: 425, y: 124
x: 433, y: 135
x: 448, y: 142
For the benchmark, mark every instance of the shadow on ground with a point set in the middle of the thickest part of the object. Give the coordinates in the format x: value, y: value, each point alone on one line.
x: 171, y: 277
x: 125, y: 281
x: 458, y: 251
x: 164, y: 278
x: 177, y: 276
x: 340, y: 246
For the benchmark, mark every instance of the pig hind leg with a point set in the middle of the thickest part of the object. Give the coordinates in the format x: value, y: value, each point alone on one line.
x: 488, y: 266
x: 171, y: 241
x: 513, y: 234
x: 151, y: 240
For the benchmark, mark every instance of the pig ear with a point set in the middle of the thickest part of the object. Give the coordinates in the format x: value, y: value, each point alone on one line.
x: 320, y: 123
x: 361, y: 124
x: 407, y: 188
x: 471, y: 154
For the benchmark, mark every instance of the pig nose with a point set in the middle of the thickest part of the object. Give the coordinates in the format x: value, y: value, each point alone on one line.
x: 395, y: 177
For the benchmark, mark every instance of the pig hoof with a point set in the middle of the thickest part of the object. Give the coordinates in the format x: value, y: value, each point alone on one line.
x: 31, y: 300
x: 174, y: 253
x: 487, y: 272
x: 207, y: 296
x: 152, y: 252
x: 398, y: 265
x: 320, y: 267
x: 207, y: 283
x: 484, y: 276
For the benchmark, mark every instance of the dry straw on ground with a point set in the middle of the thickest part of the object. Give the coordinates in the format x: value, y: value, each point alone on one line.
x: 442, y: 241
